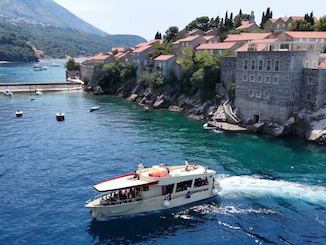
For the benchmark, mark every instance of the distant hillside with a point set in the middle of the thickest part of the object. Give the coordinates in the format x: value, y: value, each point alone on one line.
x: 52, y: 29
x: 57, y: 42
x: 47, y: 12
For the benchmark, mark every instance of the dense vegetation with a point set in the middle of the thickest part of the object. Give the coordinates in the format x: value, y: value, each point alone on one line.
x: 14, y: 48
x: 114, y: 75
x: 58, y: 42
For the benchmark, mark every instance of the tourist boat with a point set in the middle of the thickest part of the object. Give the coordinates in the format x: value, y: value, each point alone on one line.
x: 60, y: 116
x: 19, y: 113
x: 38, y: 67
x: 38, y: 92
x: 152, y: 189
x: 94, y: 108
x: 8, y: 93
x: 209, y: 126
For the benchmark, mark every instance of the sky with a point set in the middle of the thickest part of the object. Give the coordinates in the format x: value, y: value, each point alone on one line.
x: 146, y: 17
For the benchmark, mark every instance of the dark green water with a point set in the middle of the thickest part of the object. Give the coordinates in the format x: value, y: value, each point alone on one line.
x: 273, y: 190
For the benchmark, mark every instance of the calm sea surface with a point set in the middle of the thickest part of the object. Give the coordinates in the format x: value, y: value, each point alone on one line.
x: 23, y: 72
x: 273, y: 190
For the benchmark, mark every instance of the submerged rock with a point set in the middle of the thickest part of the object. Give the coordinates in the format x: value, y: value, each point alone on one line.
x: 175, y: 108
x: 133, y: 97
x: 257, y: 127
x: 98, y: 90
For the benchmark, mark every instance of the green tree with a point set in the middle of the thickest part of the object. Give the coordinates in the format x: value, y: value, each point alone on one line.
x: 321, y: 24
x: 71, y: 65
x: 267, y: 16
x: 158, y: 35
x: 171, y: 33
x: 164, y: 48
x: 202, y: 23
x: 301, y: 25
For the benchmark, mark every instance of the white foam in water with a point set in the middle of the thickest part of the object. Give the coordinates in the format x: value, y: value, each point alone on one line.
x: 254, y: 186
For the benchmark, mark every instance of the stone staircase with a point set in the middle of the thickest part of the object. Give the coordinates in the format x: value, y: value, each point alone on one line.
x: 230, y: 115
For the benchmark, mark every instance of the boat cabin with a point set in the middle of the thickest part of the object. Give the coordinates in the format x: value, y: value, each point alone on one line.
x: 157, y: 181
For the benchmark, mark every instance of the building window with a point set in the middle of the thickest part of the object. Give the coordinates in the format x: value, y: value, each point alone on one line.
x: 259, y: 79
x: 252, y: 78
x: 245, y: 78
x: 277, y: 65
x: 266, y: 95
x: 260, y: 65
x: 268, y: 65
x: 245, y: 65
x: 183, y: 186
x: 310, y: 80
x: 308, y: 96
x: 251, y: 93
x: 258, y: 93
x: 267, y: 79
x: 200, y: 182
x: 253, y: 65
x: 292, y: 97
x: 275, y: 80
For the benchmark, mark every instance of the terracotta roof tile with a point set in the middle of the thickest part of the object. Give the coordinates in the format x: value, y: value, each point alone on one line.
x: 322, y: 66
x: 142, y: 48
x: 100, y: 56
x: 307, y: 34
x: 187, y: 39
x: 261, y: 45
x: 163, y: 57
x: 245, y: 25
x: 247, y: 37
x: 217, y: 46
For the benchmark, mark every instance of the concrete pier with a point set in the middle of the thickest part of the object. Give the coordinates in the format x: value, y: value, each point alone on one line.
x: 46, y: 87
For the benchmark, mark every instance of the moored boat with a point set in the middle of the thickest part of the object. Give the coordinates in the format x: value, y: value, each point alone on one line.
x: 209, y: 126
x: 60, y: 116
x: 38, y: 67
x: 152, y: 189
x: 94, y: 108
x: 38, y: 92
x: 8, y: 93
x: 19, y: 113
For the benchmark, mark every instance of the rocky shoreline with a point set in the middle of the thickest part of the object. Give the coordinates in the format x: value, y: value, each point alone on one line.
x: 308, y: 125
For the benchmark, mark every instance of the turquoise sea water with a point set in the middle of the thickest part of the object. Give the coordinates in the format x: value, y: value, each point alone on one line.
x: 273, y: 190
x: 23, y: 72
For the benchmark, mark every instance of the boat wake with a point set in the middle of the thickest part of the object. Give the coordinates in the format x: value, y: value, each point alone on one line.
x: 252, y: 186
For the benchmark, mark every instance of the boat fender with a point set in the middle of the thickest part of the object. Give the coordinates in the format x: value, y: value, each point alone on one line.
x: 188, y: 195
x: 166, y: 203
x: 214, y: 191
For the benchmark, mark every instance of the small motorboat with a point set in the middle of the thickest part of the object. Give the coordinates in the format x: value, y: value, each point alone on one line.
x: 94, y: 108
x: 55, y: 65
x: 146, y: 109
x: 159, y: 187
x: 38, y: 92
x: 38, y: 67
x: 8, y: 93
x: 209, y: 126
x: 60, y: 116
x: 19, y: 113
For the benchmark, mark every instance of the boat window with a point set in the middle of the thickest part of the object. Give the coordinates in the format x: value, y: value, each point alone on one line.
x: 145, y: 188
x: 183, y: 186
x: 167, y: 189
x: 201, y: 182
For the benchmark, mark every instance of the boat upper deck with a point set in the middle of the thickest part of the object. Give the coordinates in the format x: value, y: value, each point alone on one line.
x: 159, y: 174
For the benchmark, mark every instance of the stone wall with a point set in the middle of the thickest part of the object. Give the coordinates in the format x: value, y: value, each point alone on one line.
x: 268, y: 84
x: 228, y: 68
x: 87, y: 73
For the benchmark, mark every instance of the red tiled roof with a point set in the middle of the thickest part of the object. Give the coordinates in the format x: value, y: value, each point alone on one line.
x: 322, y: 66
x: 245, y: 25
x: 307, y: 34
x: 100, y: 56
x: 217, y: 46
x: 207, y: 38
x: 142, y: 49
x: 118, y: 49
x: 187, y: 39
x: 194, y: 31
x: 261, y: 45
x: 247, y: 37
x: 209, y: 32
x: 163, y: 57
x: 272, y: 20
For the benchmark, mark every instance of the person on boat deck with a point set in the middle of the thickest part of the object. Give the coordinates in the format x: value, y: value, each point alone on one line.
x: 195, y: 166
x: 167, y: 169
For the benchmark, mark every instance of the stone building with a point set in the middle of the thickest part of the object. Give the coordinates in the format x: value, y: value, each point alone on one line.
x: 228, y: 70
x: 283, y: 23
x: 191, y: 41
x: 140, y: 58
x: 165, y: 64
x: 269, y: 84
x: 217, y: 48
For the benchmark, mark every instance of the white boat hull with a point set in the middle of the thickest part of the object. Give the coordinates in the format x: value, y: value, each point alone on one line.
x: 152, y: 204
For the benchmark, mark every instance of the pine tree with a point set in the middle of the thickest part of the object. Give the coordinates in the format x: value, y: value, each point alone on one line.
x: 240, y: 12
x: 158, y: 35
x: 226, y: 18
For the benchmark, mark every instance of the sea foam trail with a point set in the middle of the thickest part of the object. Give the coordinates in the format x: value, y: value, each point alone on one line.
x: 255, y: 186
